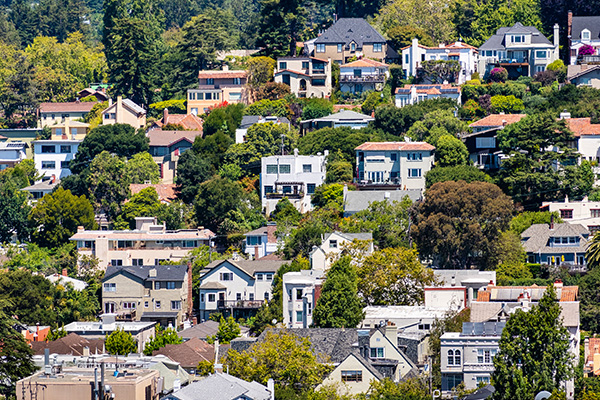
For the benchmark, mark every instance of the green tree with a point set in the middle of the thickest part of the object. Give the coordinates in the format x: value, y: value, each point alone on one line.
x: 260, y: 71
x: 281, y: 22
x: 402, y: 36
x: 316, y: 108
x: 339, y: 305
x: 301, y: 240
x: 213, y: 148
x: 435, y: 125
x: 374, y: 99
x: 416, y: 388
x: 162, y: 337
x: 145, y: 203
x: 506, y: 104
x: 338, y: 170
x: 141, y: 168
x: 285, y: 212
x: 224, y: 119
x: 438, y: 71
x: 451, y: 152
x: 467, y: 173
x: 13, y: 212
x: 28, y: 297
x: 459, y: 223
x: 109, y: 186
x: 57, y: 216
x: 590, y: 300
x: 534, y: 351
x: 228, y: 330
x: 397, y: 121
x: 329, y: 196
x: 524, y: 220
x: 262, y: 140
x: 74, y: 305
x: 192, y: 170
x: 120, y: 343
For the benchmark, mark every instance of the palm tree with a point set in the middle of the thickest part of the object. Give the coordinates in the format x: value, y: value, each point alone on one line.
x: 592, y: 254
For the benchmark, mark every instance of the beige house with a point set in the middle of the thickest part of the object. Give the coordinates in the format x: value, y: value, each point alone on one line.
x: 148, y: 293
x: 306, y: 76
x: 332, y: 244
x: 124, y: 112
x: 57, y: 383
x: 215, y: 87
x: 148, y: 244
x: 72, y: 130
x: 56, y: 113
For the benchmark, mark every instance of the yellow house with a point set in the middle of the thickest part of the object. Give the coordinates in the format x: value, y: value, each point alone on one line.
x: 71, y: 130
x: 216, y: 87
x: 124, y: 112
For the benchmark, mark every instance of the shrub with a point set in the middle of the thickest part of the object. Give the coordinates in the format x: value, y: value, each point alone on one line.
x: 586, y: 50
x: 507, y: 104
x: 498, y: 75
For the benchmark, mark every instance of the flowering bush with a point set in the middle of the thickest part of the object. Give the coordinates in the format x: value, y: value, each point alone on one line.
x: 499, y: 75
x: 587, y: 50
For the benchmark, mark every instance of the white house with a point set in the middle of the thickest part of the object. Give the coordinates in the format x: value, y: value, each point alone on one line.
x: 301, y: 291
x: 332, y: 244
x: 413, y: 94
x: 52, y: 157
x: 349, y: 118
x: 394, y: 164
x: 584, y: 212
x: 235, y: 286
x: 522, y: 50
x: 12, y: 153
x: 249, y: 120
x: 293, y: 176
x: 306, y: 76
x: 415, y: 54
x: 261, y: 242
x: 583, y: 31
x: 363, y: 75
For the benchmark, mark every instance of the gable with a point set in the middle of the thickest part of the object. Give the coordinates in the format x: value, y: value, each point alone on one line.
x: 391, y: 350
x: 124, y: 274
x: 226, y: 266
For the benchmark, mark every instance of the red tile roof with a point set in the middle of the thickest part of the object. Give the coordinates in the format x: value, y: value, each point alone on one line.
x: 292, y: 71
x: 222, y: 74
x: 364, y: 62
x: 498, y: 120
x: 338, y: 107
x: 582, y: 126
x: 593, y: 347
x: 391, y: 146
x: 159, y: 137
x: 73, y: 106
x: 189, y: 122
x: 166, y: 191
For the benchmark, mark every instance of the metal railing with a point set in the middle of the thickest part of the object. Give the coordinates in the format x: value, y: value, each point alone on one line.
x: 239, y: 303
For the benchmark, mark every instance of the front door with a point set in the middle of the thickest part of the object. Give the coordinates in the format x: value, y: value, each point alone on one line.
x: 109, y: 308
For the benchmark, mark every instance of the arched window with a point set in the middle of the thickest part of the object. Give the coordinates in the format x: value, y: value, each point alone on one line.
x: 450, y: 357
x: 457, y: 357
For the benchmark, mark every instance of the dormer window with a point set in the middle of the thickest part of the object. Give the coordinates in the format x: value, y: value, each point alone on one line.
x: 585, y: 35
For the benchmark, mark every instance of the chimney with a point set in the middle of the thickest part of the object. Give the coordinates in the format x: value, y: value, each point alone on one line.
x: 225, y: 67
x: 569, y: 25
x: 565, y: 115
x: 80, y: 229
x: 271, y: 388
x: 190, y: 290
x: 256, y: 257
x: 558, y: 283
x: 64, y: 272
x: 110, y: 102
x: 152, y: 273
x: 556, y: 35
x: 118, y: 109
x: 317, y: 294
x: 391, y: 332
x: 586, y: 349
x: 552, y: 222
x: 165, y: 116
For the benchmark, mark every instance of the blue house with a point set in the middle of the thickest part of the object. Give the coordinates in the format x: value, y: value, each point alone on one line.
x: 556, y: 244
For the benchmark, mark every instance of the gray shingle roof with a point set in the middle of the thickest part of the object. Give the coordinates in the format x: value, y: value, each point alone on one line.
x: 222, y: 387
x: 163, y: 272
x: 351, y: 236
x: 249, y: 120
x: 249, y: 267
x: 358, y: 200
x: 535, y: 238
x: 590, y: 23
x: 496, y: 41
x: 346, y: 115
x: 346, y: 30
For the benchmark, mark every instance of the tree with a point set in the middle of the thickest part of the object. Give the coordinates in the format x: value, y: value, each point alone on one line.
x: 339, y: 171
x: 162, y: 337
x: 279, y: 28
x: 506, y: 104
x: 28, y: 297
x: 57, y: 216
x: 141, y: 168
x: 228, y: 330
x: 393, y: 276
x: 435, y: 125
x: 285, y: 212
x: 524, y: 220
x: 273, y: 91
x: 192, y: 170
x: 15, y: 353
x: 329, y: 196
x: 459, y: 223
x: 316, y: 108
x: 109, y: 186
x: 224, y: 119
x: 260, y: 71
x: 402, y: 36
x: 397, y: 121
x: 498, y: 74
x: 18, y: 97
x: 534, y: 351
x: 145, y: 203
x: 339, y: 305
x: 467, y: 173
x: 281, y: 356
x: 416, y: 388
x: 439, y: 71
x: 213, y: 148
x: 590, y: 300
x: 301, y: 240
x: 374, y: 100
x: 13, y: 212
x: 120, y: 343
x: 451, y: 152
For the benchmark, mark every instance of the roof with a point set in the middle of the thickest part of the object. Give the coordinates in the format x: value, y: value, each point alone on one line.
x: 453, y: 46
x: 535, y: 238
x: 181, y: 234
x: 498, y: 120
x: 594, y: 348
x: 71, y: 124
x: 205, y: 329
x: 358, y: 200
x: 402, y: 312
x: 166, y: 191
x: 213, y: 286
x: 73, y: 106
x: 350, y: 236
x: 496, y: 41
x: 189, y: 122
x: 63, y: 280
x: 162, y: 138
x: 72, y: 344
x: 42, y: 186
x: 576, y: 71
x: 429, y: 89
x: 220, y: 386
x: 364, y: 62
x: 249, y: 267
x: 249, y: 120
x: 346, y: 30
x: 482, y: 393
x: 220, y: 74
x: 346, y: 115
x: 292, y: 71
x: 483, y: 311
x: 189, y: 353
x: 268, y: 230
x: 128, y: 104
x: 395, y: 146
x: 591, y: 23
x: 582, y: 126
x: 163, y: 272
x: 505, y: 294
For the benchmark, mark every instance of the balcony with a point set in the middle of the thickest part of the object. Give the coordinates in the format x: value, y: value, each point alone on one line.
x: 363, y: 79
x: 516, y: 61
x: 478, y: 367
x: 592, y: 59
x: 274, y: 195
x: 246, y: 304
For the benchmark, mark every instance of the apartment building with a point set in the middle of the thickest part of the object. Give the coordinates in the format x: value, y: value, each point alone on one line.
x: 215, y: 87
x: 394, y: 164
x: 148, y: 244
x: 306, y: 76
x: 293, y: 176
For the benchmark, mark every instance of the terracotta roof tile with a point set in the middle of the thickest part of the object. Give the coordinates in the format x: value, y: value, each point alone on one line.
x: 594, y: 348
x: 569, y: 293
x: 189, y: 122
x: 582, y: 126
x: 166, y: 191
x: 483, y: 296
x: 292, y: 71
x: 364, y: 62
x: 398, y: 146
x: 73, y: 106
x: 222, y: 74
x: 498, y: 120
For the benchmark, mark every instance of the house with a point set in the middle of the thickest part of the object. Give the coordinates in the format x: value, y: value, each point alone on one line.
x: 292, y: 176
x: 235, y: 286
x: 583, y: 31
x: 221, y: 386
x: 556, y: 244
x: 301, y: 290
x: 148, y: 293
x: 583, y: 212
x: 40, y: 189
x: 584, y: 75
x: 148, y: 244
x: 306, y: 76
x: 249, y: 120
x: 32, y: 333
x: 73, y: 130
x: 415, y: 54
x: 188, y: 354
x: 349, y: 118
x: 98, y: 92
x: 394, y: 164
x: 205, y: 329
x: 408, y: 319
x: 124, y: 112
x: 52, y: 157
x: 591, y: 358
x: 472, y: 280
x: 261, y: 242
x: 142, y: 331
x: 166, y: 191
x: 332, y: 244
x: 12, y: 153
x: 348, y: 38
x: 359, y: 200
x: 65, y: 280
x: 353, y: 375
x: 495, y: 121
x: 55, y: 113
x: 413, y: 94
x: 521, y: 50
x: 587, y: 136
x: 216, y: 87
x: 166, y: 147
x: 188, y: 122
x: 362, y: 76
x: 72, y: 344
x: 57, y: 383
x: 25, y: 135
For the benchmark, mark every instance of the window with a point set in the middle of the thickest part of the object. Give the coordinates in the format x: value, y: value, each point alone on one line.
x: 129, y: 305
x: 593, y: 229
x: 226, y: 276
x: 138, y: 262
x: 352, y: 376
x: 287, y: 189
x: 64, y: 164
x: 414, y: 156
x: 282, y: 65
x: 116, y: 263
x: 307, y: 168
x: 377, y: 352
x: 305, y: 64
x: 267, y: 296
x: 566, y: 213
x: 259, y: 277
x: 176, y: 305
x: 157, y: 304
x: 310, y: 188
x: 210, y: 81
x: 146, y: 304
x: 483, y: 379
x: 271, y: 168
x: 200, y: 96
x: 238, y: 296
x: 318, y: 82
x: 237, y: 81
x: 485, y: 143
x: 595, y: 212
x: 299, y: 316
x: 394, y: 156
x: 269, y: 277
x: 585, y: 34
x: 484, y: 356
x: 353, y: 47
x: 320, y: 48
x: 235, y: 96
x: 48, y: 149
x: 450, y: 381
x: 268, y: 189
x: 298, y: 294
x: 518, y: 39
x: 65, y: 149
x: 192, y: 96
x: 540, y: 54
x: 414, y: 172
x: 171, y: 285
x: 286, y: 79
x: 211, y: 297
x: 424, y: 327
x: 454, y: 357
x: 63, y: 116
x: 110, y: 287
x: 251, y: 296
x: 377, y: 47
x: 157, y: 285
x: 333, y: 244
x: 285, y: 169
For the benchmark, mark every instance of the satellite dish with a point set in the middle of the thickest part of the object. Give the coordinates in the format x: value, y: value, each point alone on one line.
x: 543, y: 395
